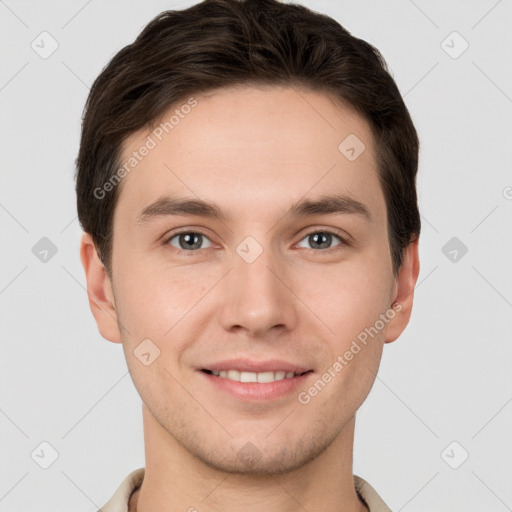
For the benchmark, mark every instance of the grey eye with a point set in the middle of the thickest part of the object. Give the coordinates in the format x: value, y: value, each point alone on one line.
x: 321, y: 240
x: 188, y: 240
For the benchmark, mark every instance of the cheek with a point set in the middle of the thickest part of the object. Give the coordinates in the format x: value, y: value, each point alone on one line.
x: 350, y: 298
x: 355, y: 347
x: 154, y: 298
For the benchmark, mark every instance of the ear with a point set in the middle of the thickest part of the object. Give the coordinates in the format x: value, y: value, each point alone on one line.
x: 99, y: 290
x: 404, y: 294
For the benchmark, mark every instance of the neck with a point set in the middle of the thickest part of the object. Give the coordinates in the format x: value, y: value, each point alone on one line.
x: 176, y: 480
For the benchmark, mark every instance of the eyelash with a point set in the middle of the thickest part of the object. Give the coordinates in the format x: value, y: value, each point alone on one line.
x: 343, y: 240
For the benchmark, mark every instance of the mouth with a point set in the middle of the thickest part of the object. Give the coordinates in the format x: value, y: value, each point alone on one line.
x: 259, y: 377
x: 260, y: 387
x: 251, y: 380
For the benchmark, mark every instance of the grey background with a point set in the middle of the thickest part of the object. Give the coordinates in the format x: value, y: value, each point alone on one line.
x: 448, y: 378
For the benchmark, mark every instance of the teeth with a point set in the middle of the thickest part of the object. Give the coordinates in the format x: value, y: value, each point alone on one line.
x: 266, y: 377
x: 248, y: 377
x: 253, y: 377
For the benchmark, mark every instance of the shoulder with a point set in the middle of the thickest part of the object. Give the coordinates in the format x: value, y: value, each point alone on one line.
x: 370, y: 496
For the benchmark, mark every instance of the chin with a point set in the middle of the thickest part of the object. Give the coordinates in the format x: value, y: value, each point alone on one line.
x: 262, y: 457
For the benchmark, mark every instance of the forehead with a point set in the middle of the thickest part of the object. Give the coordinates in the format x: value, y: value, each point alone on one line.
x: 254, y: 146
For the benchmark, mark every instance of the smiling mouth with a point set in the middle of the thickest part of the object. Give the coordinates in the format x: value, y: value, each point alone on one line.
x: 260, y: 377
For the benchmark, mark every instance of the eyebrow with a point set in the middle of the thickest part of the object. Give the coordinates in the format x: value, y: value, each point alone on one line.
x: 324, y: 205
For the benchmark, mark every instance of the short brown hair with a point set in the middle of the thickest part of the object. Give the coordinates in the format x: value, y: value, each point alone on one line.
x: 219, y: 43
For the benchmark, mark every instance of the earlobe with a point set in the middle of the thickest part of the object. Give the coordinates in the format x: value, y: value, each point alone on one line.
x: 99, y: 290
x: 405, y: 284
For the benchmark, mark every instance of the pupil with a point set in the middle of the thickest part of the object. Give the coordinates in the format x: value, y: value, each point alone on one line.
x: 190, y: 240
x: 316, y: 236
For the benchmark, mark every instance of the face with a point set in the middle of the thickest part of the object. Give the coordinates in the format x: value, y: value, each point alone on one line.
x: 282, y: 272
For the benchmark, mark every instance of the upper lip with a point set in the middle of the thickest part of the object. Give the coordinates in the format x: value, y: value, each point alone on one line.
x: 248, y: 365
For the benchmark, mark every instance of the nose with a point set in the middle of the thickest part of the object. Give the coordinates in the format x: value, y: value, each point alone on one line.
x: 258, y: 297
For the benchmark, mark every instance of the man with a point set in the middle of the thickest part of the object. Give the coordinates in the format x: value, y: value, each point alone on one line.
x: 246, y: 185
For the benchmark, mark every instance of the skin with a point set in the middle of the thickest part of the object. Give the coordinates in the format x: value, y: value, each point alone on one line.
x: 254, y: 152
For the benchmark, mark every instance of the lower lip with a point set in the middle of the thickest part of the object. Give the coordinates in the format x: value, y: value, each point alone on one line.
x: 257, y: 391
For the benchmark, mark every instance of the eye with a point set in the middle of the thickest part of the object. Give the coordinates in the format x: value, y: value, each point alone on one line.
x: 188, y: 240
x: 191, y: 241
x: 323, y: 239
